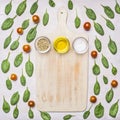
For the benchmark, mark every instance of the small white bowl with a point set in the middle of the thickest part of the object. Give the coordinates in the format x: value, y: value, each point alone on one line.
x: 80, y: 45
x: 37, y: 47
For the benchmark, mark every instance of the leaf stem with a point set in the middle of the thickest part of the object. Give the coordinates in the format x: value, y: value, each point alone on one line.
x: 109, y: 37
x: 94, y: 61
x: 10, y: 1
x: 14, y: 16
x: 85, y: 7
x: 103, y: 17
x: 36, y: 26
x: 112, y: 65
x: 22, y: 71
x: 90, y: 107
x: 4, y: 98
x: 117, y: 100
x: 46, y: 10
x: 76, y: 12
x: 18, y: 38
x: 96, y: 79
x: 8, y: 55
x: 11, y: 32
x: 29, y: 57
x: 102, y: 5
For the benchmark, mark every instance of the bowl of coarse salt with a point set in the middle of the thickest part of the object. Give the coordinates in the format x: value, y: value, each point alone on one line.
x: 80, y: 45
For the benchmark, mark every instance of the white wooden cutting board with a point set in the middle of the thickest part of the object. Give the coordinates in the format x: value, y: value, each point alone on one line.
x: 61, y: 78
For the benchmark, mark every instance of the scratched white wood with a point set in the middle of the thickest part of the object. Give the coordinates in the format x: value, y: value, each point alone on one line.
x: 62, y: 78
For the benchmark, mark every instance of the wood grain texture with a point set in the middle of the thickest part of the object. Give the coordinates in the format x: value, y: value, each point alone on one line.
x: 61, y: 78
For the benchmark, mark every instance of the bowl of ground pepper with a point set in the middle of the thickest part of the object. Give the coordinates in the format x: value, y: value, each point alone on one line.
x: 42, y: 44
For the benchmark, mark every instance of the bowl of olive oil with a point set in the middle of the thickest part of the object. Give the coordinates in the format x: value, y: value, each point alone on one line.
x: 61, y: 44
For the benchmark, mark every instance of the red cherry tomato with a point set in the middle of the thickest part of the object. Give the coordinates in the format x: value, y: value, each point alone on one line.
x: 87, y: 26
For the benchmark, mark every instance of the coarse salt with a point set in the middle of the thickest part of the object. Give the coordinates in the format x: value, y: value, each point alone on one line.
x: 80, y: 45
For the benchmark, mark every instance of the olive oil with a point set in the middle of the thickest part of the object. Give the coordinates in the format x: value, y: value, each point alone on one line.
x: 61, y: 44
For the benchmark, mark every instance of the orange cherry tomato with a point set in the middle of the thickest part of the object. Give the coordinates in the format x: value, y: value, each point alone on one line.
x: 114, y: 83
x: 13, y: 77
x: 87, y: 26
x: 36, y: 19
x: 94, y: 54
x: 20, y: 31
x: 26, y: 48
x: 31, y: 103
x: 93, y: 99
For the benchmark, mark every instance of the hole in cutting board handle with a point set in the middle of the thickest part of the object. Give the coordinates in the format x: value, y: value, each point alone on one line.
x: 61, y: 12
x: 62, y: 17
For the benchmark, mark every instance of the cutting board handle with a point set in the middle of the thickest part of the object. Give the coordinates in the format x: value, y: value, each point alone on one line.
x: 62, y: 18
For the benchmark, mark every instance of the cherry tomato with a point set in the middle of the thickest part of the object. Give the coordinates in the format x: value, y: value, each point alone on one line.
x: 94, y: 54
x: 93, y: 99
x: 87, y: 26
x: 20, y: 31
x: 114, y: 83
x: 26, y: 48
x: 13, y: 77
x: 31, y: 103
x: 36, y: 19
